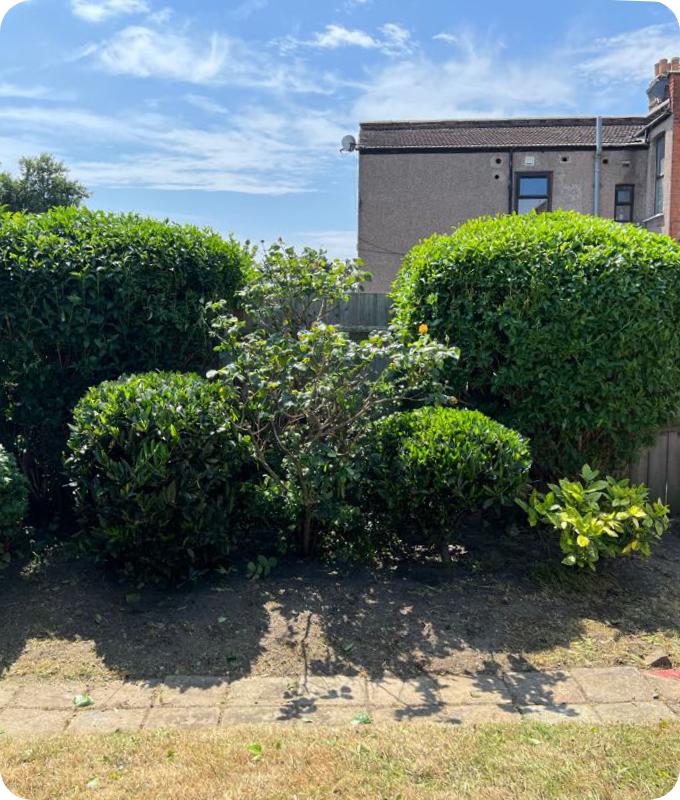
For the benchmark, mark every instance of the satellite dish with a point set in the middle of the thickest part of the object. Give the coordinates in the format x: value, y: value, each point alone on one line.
x: 349, y: 144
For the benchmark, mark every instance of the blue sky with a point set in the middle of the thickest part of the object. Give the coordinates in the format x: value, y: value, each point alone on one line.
x: 230, y: 114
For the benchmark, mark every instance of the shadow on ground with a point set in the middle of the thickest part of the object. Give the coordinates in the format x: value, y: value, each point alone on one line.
x: 73, y: 621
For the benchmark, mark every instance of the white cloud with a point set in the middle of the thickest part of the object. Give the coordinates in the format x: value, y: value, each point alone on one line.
x: 393, y: 39
x: 146, y: 52
x: 629, y: 56
x: 474, y: 80
x: 101, y: 10
x: 157, y: 51
x: 259, y: 152
x: 32, y: 92
x: 338, y: 36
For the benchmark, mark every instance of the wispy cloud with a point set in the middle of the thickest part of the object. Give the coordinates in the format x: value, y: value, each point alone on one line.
x: 159, y: 51
x: 391, y: 39
x: 205, y: 104
x: 147, y: 52
x: 628, y: 56
x: 260, y: 152
x: 102, y: 10
x: 248, y: 8
x: 473, y: 79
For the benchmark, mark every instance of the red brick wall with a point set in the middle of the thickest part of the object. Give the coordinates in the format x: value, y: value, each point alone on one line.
x: 672, y: 170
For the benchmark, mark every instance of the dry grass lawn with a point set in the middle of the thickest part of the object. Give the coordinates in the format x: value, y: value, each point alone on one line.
x: 412, y: 762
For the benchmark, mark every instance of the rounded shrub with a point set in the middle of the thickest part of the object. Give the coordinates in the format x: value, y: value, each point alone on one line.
x: 87, y: 296
x: 429, y: 467
x: 13, y: 505
x: 567, y: 326
x: 155, y: 468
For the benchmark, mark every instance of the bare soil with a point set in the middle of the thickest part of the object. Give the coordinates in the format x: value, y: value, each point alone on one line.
x: 72, y: 620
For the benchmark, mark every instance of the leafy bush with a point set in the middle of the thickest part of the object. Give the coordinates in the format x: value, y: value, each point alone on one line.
x: 429, y: 467
x: 13, y: 504
x: 567, y: 326
x: 598, y: 518
x: 156, y: 469
x: 306, y: 392
x: 87, y: 296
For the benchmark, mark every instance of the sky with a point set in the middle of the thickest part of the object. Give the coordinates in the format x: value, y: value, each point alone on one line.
x: 230, y: 113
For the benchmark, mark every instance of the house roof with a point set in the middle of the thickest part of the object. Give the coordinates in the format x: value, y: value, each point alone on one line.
x: 501, y: 134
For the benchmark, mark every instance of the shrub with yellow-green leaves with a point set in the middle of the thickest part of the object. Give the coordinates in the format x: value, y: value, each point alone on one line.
x: 598, y: 517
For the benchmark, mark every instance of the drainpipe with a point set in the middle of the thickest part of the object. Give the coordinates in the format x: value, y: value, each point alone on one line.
x: 598, y: 167
x: 511, y: 180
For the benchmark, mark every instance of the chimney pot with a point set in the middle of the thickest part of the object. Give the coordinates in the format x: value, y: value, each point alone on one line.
x: 663, y: 66
x: 675, y: 65
x: 657, y: 69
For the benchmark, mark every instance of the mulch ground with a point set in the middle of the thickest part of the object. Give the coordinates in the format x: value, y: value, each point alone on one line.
x: 498, y: 607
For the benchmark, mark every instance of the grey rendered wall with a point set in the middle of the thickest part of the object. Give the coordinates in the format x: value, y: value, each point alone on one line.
x: 406, y: 197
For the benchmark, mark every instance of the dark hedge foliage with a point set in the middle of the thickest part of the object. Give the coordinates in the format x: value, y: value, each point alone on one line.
x: 13, y: 505
x: 568, y: 329
x: 87, y: 296
x: 156, y: 470
x: 429, y: 467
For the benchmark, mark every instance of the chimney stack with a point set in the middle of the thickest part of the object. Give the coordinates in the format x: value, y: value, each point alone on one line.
x: 658, y: 91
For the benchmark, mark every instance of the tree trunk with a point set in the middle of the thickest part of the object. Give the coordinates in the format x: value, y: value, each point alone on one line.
x: 307, y: 532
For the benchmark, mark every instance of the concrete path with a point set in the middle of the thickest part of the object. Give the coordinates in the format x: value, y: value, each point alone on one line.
x: 595, y: 696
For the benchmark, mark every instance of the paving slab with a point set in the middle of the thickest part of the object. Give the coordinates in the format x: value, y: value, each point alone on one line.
x: 133, y: 695
x: 197, y: 717
x: 634, y: 713
x: 334, y: 690
x: 263, y: 691
x: 555, y: 714
x: 331, y: 716
x: 664, y: 688
x: 33, y: 722
x: 392, y: 691
x: 107, y: 721
x: 544, y: 688
x: 482, y: 689
x: 60, y: 696
x: 179, y: 691
x: 614, y: 685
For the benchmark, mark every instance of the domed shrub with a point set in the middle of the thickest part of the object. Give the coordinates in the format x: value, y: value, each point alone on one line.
x: 13, y: 504
x: 155, y: 468
x: 86, y: 297
x: 429, y: 467
x: 567, y: 324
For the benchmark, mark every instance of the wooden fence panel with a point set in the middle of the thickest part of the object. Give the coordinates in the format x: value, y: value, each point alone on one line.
x: 659, y: 468
x: 364, y: 312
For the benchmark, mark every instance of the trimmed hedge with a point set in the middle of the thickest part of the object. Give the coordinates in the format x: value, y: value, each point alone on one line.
x: 429, y: 467
x: 156, y: 468
x: 568, y: 329
x: 87, y: 296
x: 13, y: 505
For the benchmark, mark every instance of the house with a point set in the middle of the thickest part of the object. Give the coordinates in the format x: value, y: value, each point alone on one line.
x: 419, y: 178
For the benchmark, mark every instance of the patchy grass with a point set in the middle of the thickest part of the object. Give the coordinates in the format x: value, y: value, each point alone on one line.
x: 410, y: 762
x: 491, y: 610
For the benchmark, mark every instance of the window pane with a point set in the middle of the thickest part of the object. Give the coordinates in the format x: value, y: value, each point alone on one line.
x: 624, y: 195
x: 533, y: 186
x: 658, y: 200
x: 660, y: 155
x: 624, y: 214
x: 526, y: 205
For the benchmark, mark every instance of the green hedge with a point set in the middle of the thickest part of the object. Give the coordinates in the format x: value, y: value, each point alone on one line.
x: 87, y: 296
x: 567, y: 324
x: 429, y: 467
x: 13, y: 505
x: 156, y: 471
